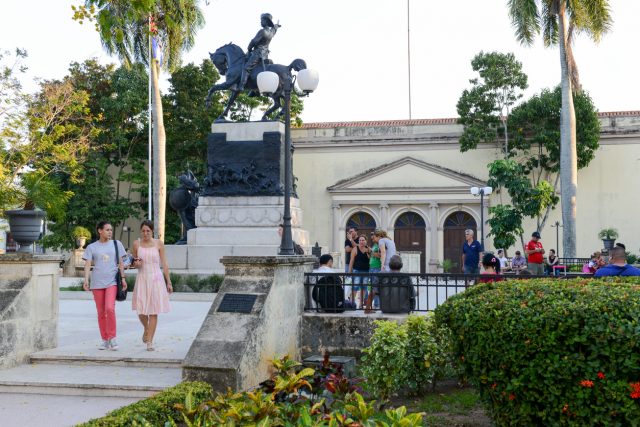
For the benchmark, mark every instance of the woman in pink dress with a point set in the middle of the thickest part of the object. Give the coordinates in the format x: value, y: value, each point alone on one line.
x: 151, y: 292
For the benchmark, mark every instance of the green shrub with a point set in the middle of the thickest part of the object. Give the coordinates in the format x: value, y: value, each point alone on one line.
x: 382, y: 362
x: 544, y: 352
x: 157, y: 409
x: 413, y: 354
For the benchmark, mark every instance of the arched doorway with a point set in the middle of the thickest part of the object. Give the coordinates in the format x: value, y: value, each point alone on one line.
x: 409, y: 234
x: 454, y: 227
x: 363, y: 222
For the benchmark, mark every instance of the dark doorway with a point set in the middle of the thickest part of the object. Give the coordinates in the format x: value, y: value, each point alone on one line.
x: 410, y: 234
x: 364, y: 223
x: 454, y: 227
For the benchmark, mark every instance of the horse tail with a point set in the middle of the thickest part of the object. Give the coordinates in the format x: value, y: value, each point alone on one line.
x: 298, y: 64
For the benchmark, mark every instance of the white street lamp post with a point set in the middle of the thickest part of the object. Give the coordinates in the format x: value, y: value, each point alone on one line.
x: 268, y: 82
x: 481, y: 191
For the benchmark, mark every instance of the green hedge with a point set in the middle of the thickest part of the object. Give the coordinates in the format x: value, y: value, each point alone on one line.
x: 545, y: 352
x: 157, y: 409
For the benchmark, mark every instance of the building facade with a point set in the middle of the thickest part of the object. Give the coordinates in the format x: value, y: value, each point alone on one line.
x: 410, y: 178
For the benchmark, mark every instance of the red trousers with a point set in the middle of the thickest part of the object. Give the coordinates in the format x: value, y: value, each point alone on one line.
x: 106, y: 304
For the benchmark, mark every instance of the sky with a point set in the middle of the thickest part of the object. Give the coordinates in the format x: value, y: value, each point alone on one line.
x: 359, y: 48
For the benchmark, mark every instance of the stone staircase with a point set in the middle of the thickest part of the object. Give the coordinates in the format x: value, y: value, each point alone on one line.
x: 77, y: 375
x: 75, y: 381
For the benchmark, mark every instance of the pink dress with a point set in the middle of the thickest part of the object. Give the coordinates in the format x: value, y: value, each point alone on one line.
x: 150, y: 294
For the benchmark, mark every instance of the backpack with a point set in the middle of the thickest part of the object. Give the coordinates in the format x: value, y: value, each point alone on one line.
x: 329, y: 294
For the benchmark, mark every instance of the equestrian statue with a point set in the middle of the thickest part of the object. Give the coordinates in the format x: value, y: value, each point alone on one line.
x: 241, y: 70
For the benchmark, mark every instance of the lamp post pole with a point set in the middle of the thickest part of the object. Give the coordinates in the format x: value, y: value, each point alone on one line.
x: 482, y: 218
x: 268, y: 82
x: 286, y: 245
x: 481, y: 191
x: 557, y: 227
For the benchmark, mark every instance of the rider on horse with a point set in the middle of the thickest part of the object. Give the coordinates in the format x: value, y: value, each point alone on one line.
x: 258, y: 50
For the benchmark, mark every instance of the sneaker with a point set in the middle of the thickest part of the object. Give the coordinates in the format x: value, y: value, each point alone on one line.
x: 113, y: 345
x: 104, y: 345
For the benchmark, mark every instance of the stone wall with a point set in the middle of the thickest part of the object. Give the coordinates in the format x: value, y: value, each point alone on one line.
x: 28, y: 306
x: 340, y: 334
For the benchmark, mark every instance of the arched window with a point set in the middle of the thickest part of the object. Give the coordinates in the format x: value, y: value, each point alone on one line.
x: 410, y: 220
x: 363, y: 222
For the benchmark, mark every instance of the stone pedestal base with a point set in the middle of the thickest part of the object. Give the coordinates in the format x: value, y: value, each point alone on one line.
x: 234, y: 349
x: 28, y: 306
x: 234, y: 226
x: 74, y: 267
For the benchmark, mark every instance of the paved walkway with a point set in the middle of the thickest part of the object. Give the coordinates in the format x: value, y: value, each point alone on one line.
x: 77, y: 364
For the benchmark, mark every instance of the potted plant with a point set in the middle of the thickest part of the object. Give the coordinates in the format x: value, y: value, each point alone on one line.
x: 608, y: 236
x: 447, y: 265
x: 81, y: 234
x: 40, y: 196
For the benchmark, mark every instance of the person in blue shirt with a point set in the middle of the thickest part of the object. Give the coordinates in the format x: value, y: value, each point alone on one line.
x: 471, y: 251
x: 617, y: 265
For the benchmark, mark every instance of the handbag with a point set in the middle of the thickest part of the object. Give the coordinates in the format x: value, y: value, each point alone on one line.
x: 121, y: 295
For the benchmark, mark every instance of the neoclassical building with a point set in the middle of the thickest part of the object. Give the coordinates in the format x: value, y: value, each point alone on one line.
x: 410, y: 178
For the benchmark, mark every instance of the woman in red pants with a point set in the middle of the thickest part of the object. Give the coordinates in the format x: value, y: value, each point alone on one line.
x: 102, y: 255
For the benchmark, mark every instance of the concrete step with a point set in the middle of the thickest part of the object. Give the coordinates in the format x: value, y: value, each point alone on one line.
x: 109, y: 359
x: 88, y: 380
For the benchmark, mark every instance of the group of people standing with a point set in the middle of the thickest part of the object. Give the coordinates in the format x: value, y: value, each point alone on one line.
x: 364, y: 257
x: 104, y: 258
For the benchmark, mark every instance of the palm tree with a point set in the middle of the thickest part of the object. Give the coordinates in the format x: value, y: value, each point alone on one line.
x: 559, y: 21
x: 124, y: 28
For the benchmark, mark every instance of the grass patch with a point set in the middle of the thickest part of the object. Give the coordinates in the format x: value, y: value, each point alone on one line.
x: 459, y: 402
x: 74, y: 288
x: 195, y: 283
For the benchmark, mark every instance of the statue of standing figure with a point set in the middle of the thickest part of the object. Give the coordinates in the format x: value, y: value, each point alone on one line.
x: 184, y: 200
x: 258, y: 50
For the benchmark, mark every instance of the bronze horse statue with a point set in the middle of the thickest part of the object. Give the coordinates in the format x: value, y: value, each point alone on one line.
x: 229, y: 60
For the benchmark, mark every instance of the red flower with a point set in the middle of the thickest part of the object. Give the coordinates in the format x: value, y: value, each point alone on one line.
x: 565, y: 408
x: 601, y: 375
x: 512, y: 396
x: 494, y: 385
x: 635, y: 390
x: 586, y: 383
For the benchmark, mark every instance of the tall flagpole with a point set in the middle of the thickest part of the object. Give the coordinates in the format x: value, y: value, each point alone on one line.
x: 409, y: 54
x: 150, y: 121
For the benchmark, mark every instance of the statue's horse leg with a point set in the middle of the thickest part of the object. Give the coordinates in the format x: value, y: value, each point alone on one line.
x: 232, y: 99
x: 276, y: 105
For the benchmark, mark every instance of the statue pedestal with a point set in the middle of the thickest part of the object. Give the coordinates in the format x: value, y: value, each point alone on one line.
x: 242, y: 203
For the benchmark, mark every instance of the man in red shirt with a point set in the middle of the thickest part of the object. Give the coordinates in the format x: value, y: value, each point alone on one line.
x: 534, y: 253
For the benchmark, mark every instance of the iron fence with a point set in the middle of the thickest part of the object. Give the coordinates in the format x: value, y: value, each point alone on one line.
x: 392, y: 292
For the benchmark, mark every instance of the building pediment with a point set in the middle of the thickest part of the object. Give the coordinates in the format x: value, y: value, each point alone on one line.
x: 407, y: 174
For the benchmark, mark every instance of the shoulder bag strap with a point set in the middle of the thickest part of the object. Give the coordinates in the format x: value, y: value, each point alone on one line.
x: 115, y: 244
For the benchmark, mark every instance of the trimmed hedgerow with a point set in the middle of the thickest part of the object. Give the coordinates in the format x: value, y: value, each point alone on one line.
x: 157, y: 409
x: 548, y: 352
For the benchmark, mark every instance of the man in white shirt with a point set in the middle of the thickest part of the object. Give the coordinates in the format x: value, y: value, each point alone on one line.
x: 504, y: 261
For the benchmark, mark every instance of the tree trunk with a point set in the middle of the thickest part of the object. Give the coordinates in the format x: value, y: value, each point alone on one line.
x: 159, y: 172
x: 568, y: 153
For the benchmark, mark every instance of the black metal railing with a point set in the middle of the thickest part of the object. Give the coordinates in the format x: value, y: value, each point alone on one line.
x: 391, y: 292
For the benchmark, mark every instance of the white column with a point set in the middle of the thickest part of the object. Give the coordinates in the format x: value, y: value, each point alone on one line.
x: 433, y: 244
x: 384, y: 217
